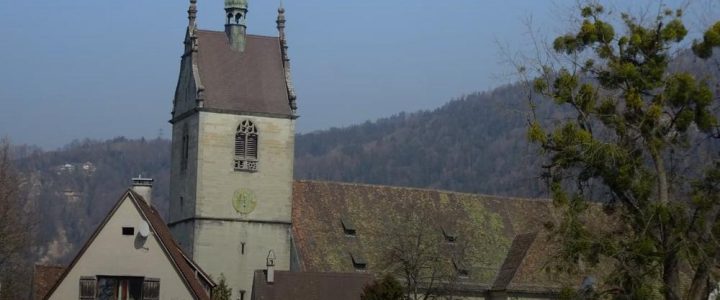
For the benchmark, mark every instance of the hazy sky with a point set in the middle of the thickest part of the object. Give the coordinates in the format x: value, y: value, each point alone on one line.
x: 99, y: 69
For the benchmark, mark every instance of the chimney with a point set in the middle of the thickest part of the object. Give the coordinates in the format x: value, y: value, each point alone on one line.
x: 143, y: 186
x: 270, y: 267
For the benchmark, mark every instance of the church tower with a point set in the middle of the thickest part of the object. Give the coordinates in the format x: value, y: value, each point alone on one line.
x: 233, y: 123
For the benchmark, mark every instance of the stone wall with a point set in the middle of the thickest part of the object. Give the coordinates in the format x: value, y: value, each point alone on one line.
x: 226, y: 240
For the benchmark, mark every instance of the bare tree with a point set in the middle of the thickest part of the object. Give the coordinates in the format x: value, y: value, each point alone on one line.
x: 429, y: 260
x: 15, y: 232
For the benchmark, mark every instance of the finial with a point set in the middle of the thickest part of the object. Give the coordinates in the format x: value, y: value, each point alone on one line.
x: 281, y: 20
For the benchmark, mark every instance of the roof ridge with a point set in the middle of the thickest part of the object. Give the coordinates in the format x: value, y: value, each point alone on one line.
x: 419, y: 189
x: 249, y: 34
x: 326, y: 274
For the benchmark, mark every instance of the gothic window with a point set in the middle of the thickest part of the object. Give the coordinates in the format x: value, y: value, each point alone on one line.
x: 246, y: 147
x: 185, y: 148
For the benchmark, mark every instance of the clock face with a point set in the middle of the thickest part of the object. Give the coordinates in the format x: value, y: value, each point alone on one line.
x: 244, y: 201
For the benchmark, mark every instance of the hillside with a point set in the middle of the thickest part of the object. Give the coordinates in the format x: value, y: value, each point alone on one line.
x: 70, y: 190
x: 475, y: 143
x: 472, y: 144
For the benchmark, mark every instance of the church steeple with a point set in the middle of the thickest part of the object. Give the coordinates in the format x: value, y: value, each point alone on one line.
x: 235, y: 15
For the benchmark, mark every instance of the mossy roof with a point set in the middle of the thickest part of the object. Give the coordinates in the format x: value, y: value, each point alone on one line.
x: 489, y: 222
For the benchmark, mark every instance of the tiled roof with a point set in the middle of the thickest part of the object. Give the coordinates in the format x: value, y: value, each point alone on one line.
x: 309, y: 285
x: 198, y: 283
x: 44, y: 278
x: 249, y: 81
x: 489, y: 223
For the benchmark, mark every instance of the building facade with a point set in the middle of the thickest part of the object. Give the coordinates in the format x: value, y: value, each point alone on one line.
x: 233, y: 135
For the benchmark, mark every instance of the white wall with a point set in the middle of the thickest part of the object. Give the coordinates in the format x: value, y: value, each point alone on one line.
x: 114, y: 254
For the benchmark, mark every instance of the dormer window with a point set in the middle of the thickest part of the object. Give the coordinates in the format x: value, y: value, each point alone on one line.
x: 246, y: 147
x: 358, y: 261
x: 450, y: 236
x: 348, y: 226
x: 461, y: 269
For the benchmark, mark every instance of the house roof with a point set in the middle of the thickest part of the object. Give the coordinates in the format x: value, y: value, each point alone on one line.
x: 44, y: 277
x: 253, y: 80
x: 487, y: 223
x: 309, y: 285
x: 196, y: 280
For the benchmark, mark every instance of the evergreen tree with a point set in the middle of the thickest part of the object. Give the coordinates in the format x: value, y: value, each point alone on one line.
x: 222, y: 291
x: 634, y: 122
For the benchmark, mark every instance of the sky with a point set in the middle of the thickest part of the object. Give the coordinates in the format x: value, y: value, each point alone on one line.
x: 99, y: 69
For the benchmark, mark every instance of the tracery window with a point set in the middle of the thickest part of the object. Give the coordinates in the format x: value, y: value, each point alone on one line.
x: 246, y: 147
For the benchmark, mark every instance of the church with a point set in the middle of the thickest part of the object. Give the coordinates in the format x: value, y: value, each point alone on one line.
x: 237, y: 212
x: 234, y: 199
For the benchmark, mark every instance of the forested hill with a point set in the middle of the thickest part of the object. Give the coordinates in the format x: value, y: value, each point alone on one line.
x: 69, y: 191
x: 473, y: 144
x: 476, y: 143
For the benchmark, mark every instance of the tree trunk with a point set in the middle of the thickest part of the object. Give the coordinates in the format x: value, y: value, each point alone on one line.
x: 662, y: 181
x: 699, y: 284
x: 671, y: 277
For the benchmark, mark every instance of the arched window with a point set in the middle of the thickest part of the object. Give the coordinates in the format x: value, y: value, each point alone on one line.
x: 246, y: 146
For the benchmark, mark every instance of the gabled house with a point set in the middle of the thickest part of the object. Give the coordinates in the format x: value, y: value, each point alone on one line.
x: 132, y: 255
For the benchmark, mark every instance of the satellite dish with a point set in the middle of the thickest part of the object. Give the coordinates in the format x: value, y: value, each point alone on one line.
x: 144, y: 229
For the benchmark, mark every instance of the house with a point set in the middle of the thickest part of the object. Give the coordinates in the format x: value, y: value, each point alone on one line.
x: 131, y: 255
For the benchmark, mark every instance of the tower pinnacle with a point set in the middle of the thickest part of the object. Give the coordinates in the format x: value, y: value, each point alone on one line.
x: 192, y: 13
x: 286, y: 59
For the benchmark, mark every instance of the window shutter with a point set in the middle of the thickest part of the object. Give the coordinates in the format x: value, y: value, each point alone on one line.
x: 252, y: 146
x: 151, y: 289
x: 240, y: 144
x: 87, y: 288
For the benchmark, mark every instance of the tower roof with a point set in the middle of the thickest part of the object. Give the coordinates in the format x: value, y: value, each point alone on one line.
x: 236, y: 3
x: 250, y: 81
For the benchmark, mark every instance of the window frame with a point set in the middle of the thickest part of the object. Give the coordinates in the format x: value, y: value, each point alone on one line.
x: 246, y: 147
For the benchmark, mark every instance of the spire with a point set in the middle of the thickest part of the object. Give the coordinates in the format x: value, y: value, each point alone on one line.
x: 191, y: 39
x: 281, y: 21
x: 235, y: 15
x: 286, y: 59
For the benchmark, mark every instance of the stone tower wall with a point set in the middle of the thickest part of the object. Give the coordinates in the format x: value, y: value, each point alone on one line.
x: 221, y: 239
